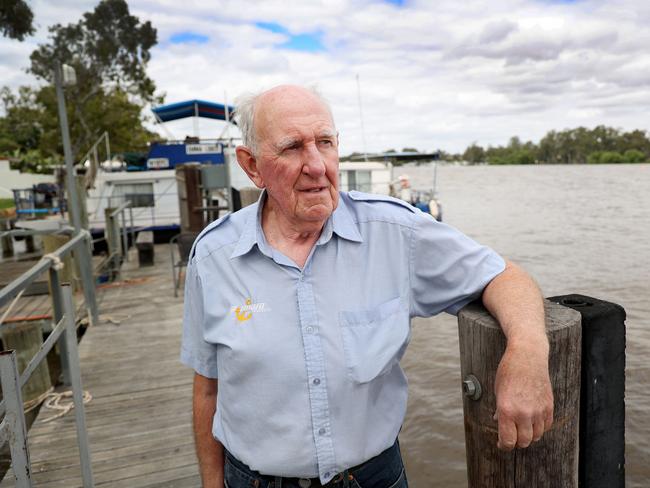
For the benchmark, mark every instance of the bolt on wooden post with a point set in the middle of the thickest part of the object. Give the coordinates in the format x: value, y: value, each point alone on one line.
x: 552, y: 461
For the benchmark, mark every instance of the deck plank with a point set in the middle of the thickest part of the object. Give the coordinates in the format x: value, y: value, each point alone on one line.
x: 139, y: 420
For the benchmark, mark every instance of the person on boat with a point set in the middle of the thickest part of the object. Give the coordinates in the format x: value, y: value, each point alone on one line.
x: 298, y: 308
x: 404, y: 190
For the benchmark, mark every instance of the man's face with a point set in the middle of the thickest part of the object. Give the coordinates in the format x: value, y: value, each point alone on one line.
x: 297, y: 158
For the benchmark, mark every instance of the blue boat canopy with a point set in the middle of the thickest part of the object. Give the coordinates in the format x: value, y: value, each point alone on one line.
x: 193, y: 108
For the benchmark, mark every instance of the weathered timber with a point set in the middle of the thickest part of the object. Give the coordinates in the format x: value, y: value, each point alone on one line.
x: 553, y: 461
x: 26, y: 338
x: 139, y: 420
x: 602, y: 392
x: 10, y: 270
x: 69, y: 273
x: 6, y: 241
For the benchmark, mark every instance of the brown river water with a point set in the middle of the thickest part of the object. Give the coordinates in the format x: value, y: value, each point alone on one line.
x: 576, y: 229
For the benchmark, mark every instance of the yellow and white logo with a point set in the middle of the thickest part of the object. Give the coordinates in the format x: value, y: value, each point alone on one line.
x: 245, y: 312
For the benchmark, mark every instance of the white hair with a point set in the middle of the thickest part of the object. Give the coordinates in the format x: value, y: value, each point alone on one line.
x: 245, y: 115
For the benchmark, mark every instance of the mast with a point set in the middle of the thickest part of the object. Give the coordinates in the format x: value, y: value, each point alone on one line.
x: 196, y: 119
x: 363, y: 131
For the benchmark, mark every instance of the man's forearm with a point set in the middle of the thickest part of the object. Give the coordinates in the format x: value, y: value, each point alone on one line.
x: 515, y: 301
x: 209, y: 451
x: 524, y: 397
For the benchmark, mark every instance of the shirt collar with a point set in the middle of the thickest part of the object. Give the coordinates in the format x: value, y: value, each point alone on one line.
x: 340, y: 223
x: 343, y: 224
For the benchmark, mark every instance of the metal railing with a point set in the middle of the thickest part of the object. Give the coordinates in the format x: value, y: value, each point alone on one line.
x: 116, y: 234
x: 80, y: 243
x: 13, y: 428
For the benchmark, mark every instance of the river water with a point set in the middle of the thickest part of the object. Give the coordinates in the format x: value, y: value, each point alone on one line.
x: 576, y: 229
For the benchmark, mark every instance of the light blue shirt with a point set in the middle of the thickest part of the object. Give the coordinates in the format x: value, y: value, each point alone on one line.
x: 308, y: 359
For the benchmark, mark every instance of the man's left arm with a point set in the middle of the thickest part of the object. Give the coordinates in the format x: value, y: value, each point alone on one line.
x: 522, y: 387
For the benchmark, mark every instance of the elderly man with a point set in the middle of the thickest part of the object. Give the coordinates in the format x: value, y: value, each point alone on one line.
x: 297, y: 312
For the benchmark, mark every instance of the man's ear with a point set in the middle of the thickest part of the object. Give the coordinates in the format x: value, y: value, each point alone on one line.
x: 248, y: 163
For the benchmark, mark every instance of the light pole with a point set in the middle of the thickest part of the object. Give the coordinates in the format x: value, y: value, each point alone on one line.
x: 65, y: 75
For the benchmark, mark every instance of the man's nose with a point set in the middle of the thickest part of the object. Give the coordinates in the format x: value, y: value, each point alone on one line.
x: 313, y: 163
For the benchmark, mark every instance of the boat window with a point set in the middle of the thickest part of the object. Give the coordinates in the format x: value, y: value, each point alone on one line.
x: 359, y: 180
x: 139, y: 194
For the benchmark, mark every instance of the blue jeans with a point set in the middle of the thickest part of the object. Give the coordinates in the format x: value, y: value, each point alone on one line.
x: 385, y: 470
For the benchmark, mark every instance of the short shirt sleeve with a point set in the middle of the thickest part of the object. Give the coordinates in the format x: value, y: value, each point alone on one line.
x: 448, y: 269
x: 195, y: 351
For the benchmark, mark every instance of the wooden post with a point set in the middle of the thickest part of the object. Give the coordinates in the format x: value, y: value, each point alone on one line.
x: 69, y: 273
x: 7, y: 242
x: 26, y: 338
x: 30, y: 245
x: 551, y: 462
x: 80, y: 181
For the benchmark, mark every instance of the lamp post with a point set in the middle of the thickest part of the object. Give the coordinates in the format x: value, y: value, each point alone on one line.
x: 65, y: 75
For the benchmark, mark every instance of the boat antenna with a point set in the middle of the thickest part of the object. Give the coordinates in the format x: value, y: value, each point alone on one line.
x: 363, y: 132
x: 435, y: 179
x: 227, y: 114
x: 196, y: 119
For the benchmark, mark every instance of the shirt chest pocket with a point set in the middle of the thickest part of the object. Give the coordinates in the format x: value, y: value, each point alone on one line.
x: 374, y: 340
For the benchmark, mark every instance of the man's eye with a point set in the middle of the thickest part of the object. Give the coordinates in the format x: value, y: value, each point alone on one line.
x: 327, y: 142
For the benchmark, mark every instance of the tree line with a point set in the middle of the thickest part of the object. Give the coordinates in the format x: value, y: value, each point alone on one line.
x: 600, y: 145
x: 109, y: 50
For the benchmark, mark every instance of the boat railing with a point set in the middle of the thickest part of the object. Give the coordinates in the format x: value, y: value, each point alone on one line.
x: 13, y: 428
x: 116, y: 234
x: 137, y: 212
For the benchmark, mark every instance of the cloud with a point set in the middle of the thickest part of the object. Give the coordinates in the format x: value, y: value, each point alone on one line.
x: 432, y: 74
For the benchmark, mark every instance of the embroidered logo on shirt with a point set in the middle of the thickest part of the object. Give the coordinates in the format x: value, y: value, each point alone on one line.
x: 245, y: 312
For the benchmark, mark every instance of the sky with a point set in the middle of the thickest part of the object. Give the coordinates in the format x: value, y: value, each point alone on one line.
x: 398, y: 73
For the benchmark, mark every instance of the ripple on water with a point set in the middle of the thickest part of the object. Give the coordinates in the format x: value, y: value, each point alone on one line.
x: 577, y: 229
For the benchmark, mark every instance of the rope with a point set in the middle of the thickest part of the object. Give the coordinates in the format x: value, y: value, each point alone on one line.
x: 106, y: 318
x: 55, y: 401
x: 11, y: 306
x: 57, y: 264
x: 35, y: 402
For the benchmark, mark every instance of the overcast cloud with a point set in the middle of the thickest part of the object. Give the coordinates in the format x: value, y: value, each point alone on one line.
x: 433, y: 74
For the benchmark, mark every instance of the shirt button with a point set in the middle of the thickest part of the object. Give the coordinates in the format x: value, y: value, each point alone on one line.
x: 309, y: 330
x: 322, y: 431
x: 316, y: 381
x: 327, y: 475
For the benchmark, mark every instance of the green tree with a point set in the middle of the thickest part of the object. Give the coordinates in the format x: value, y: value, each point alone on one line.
x: 474, y: 154
x: 30, y: 129
x: 571, y: 146
x: 109, y: 49
x: 634, y: 156
x: 16, y: 19
x: 606, y: 157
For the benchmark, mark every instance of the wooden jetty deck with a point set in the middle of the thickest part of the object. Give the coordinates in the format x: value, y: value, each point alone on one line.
x: 139, y: 419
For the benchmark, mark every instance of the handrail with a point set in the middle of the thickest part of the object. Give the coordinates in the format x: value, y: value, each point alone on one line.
x: 120, y: 208
x: 112, y: 231
x: 13, y: 428
x: 23, y: 281
x: 65, y: 229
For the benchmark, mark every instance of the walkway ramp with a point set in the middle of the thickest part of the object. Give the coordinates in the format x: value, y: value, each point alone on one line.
x: 139, y: 420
